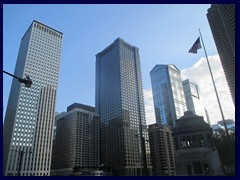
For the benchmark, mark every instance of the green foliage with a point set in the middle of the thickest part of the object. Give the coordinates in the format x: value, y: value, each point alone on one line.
x: 226, y: 148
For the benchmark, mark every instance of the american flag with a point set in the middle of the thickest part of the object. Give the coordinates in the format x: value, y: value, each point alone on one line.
x: 195, y: 46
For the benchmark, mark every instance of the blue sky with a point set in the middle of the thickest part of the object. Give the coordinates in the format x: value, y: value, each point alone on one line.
x: 163, y: 33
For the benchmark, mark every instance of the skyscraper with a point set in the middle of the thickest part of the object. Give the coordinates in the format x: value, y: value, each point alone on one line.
x: 193, y: 100
x: 168, y: 95
x: 77, y: 140
x: 120, y: 105
x: 221, y: 18
x: 29, y: 119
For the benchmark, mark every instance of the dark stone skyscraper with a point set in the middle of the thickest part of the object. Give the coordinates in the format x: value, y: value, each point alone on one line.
x: 120, y: 105
x: 221, y: 18
x: 195, y: 153
x: 162, y: 150
x: 76, y: 141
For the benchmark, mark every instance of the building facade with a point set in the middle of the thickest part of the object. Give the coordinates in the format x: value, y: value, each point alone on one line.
x: 168, y: 95
x: 120, y: 105
x: 77, y: 140
x: 195, y: 153
x: 193, y: 100
x: 29, y: 119
x: 221, y: 18
x: 162, y: 150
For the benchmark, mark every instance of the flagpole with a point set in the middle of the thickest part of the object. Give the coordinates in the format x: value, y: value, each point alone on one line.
x: 219, y: 104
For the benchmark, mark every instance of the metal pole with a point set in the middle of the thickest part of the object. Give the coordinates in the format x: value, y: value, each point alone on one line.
x: 145, y: 170
x: 27, y: 81
x: 20, y: 159
x: 11, y: 75
x: 219, y: 104
x: 20, y: 162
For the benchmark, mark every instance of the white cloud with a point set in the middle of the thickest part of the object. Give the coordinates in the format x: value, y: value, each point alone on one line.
x: 149, y: 107
x: 200, y: 74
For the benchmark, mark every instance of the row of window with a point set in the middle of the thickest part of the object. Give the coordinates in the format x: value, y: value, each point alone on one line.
x: 42, y: 41
x: 47, y: 30
x: 193, y: 141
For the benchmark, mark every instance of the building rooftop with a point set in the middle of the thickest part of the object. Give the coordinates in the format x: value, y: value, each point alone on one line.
x: 190, y: 123
x: 77, y: 105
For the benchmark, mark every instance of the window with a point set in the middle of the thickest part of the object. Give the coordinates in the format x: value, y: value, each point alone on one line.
x: 183, y: 142
x: 209, y: 140
x: 201, y: 140
x: 197, y: 167
x: 189, y: 169
x: 206, y: 168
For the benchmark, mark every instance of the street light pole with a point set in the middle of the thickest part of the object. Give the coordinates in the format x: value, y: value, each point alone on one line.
x: 143, y: 147
x: 20, y: 153
x: 218, y: 100
x: 27, y: 81
x: 144, y: 157
x: 20, y: 162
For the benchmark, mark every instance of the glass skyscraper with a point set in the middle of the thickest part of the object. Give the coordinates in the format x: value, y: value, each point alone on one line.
x: 168, y: 95
x: 193, y: 100
x: 120, y: 105
x: 30, y: 114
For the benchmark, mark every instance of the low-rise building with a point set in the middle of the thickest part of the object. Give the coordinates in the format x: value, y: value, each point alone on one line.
x: 195, y: 153
x: 162, y: 150
x: 77, y: 140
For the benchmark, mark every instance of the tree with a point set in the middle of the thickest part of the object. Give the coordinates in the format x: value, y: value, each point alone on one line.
x: 226, y: 150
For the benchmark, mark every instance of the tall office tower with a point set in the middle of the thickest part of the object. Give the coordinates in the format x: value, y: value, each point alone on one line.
x: 77, y: 140
x: 193, y: 100
x: 221, y: 18
x: 120, y: 105
x: 162, y: 150
x: 29, y: 119
x: 168, y: 95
